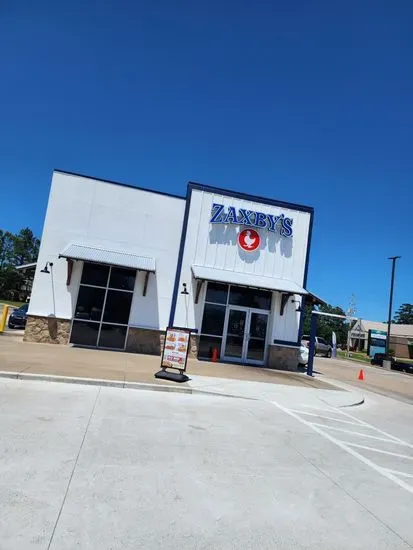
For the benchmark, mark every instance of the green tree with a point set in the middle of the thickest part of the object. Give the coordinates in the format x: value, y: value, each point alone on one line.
x: 6, y: 248
x: 404, y: 315
x: 327, y: 325
x: 26, y: 247
x: 15, y: 250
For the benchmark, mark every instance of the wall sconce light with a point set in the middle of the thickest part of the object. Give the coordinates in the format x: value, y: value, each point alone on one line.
x: 299, y: 309
x: 45, y: 269
x: 184, y: 290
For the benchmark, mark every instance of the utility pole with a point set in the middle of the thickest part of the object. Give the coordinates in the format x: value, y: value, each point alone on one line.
x: 393, y: 259
x: 350, y: 313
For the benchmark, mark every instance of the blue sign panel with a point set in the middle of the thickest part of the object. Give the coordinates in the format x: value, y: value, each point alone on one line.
x: 251, y: 218
x: 376, y: 342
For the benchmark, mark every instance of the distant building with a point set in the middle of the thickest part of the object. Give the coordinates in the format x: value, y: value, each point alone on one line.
x: 400, y: 336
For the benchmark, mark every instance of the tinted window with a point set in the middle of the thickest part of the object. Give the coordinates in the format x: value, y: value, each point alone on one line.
x: 90, y: 303
x: 207, y: 344
x: 122, y: 278
x: 23, y: 308
x: 217, y: 293
x: 95, y: 274
x: 250, y: 297
x: 213, y: 321
x: 112, y: 336
x: 117, y: 307
x: 84, y: 334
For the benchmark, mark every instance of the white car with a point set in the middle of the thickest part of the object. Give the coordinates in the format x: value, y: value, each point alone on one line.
x: 303, y: 355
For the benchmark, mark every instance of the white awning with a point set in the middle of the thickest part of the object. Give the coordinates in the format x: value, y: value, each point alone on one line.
x: 26, y: 266
x: 121, y: 258
x: 247, y: 279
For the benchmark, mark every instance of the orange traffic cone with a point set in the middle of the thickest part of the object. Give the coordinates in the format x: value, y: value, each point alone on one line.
x: 215, y: 355
x: 361, y: 375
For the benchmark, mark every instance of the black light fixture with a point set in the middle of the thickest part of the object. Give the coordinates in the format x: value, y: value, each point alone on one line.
x: 45, y: 269
x: 184, y: 290
x: 299, y: 309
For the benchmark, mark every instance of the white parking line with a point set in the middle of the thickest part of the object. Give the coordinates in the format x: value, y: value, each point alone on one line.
x: 383, y: 471
x: 355, y: 433
x: 367, y: 448
x: 324, y: 416
x: 396, y: 472
x: 363, y: 423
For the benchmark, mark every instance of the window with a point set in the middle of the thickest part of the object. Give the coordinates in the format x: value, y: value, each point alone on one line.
x: 95, y: 274
x: 103, y: 306
x: 90, y: 303
x: 250, y: 297
x: 207, y: 344
x: 217, y: 293
x: 213, y: 320
x: 122, y: 278
x: 117, y: 307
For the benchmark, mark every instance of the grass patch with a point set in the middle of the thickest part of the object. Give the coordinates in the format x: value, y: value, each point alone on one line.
x: 360, y: 356
x: 354, y: 355
x: 10, y: 303
x: 403, y: 360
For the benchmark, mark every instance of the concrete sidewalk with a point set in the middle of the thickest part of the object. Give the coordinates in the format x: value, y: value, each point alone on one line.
x: 67, y: 364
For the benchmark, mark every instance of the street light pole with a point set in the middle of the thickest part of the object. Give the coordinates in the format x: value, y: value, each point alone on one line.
x: 393, y: 259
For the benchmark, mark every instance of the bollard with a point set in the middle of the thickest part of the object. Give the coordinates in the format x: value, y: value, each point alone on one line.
x: 3, y: 317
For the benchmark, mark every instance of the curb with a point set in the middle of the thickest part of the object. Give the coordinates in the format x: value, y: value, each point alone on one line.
x: 112, y: 383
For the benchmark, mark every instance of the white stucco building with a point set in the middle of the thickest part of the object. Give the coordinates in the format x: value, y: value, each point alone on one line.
x: 124, y: 263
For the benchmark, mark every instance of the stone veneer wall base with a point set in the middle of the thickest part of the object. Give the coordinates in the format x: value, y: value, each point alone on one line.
x: 283, y: 358
x: 151, y: 341
x: 47, y: 330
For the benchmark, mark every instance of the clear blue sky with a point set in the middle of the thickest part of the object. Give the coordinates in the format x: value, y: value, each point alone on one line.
x: 309, y: 102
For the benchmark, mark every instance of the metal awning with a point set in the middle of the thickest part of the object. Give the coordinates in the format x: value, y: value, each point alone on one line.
x: 247, y: 279
x: 32, y: 265
x: 121, y: 258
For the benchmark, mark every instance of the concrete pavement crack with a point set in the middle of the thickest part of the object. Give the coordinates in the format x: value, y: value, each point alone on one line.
x: 74, y: 468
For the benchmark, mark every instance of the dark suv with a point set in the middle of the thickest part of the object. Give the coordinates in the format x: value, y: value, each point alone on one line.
x: 18, y: 317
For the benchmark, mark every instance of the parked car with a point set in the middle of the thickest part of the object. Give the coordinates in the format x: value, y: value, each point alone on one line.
x: 396, y: 364
x: 303, y: 355
x: 18, y: 317
x: 321, y: 346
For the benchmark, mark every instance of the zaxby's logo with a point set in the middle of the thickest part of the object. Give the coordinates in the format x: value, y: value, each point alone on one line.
x: 249, y: 240
x: 242, y: 216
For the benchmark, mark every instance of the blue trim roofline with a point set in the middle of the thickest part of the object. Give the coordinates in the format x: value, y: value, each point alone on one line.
x: 307, y: 257
x: 180, y: 256
x: 307, y: 262
x: 252, y: 198
x: 120, y: 184
x: 287, y: 343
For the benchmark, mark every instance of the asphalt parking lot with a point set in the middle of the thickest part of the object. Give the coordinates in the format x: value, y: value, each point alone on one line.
x: 89, y: 467
x: 392, y: 383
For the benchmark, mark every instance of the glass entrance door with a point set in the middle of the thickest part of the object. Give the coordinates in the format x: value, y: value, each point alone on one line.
x: 258, y: 322
x: 235, y: 334
x: 245, y: 335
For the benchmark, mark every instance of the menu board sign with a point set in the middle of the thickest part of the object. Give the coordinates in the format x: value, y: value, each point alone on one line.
x: 175, y: 350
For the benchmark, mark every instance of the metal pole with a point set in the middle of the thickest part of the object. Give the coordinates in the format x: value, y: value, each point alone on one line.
x: 311, y: 351
x: 393, y: 259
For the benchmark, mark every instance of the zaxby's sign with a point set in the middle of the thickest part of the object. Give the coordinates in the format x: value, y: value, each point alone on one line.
x: 242, y: 216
